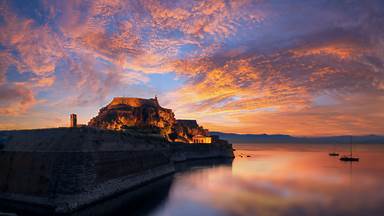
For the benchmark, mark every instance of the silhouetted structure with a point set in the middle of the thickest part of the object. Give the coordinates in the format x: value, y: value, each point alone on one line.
x: 70, y: 168
x: 73, y: 120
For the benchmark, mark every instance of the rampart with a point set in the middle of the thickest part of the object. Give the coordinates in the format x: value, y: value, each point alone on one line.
x: 62, y: 170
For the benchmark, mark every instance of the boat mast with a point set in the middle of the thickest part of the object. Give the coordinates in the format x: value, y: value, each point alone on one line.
x: 350, y: 142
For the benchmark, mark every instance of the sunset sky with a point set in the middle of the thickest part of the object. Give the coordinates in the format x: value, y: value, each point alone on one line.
x: 291, y: 67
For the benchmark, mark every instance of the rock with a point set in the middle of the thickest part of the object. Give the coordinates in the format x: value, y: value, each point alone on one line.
x: 146, y: 114
x: 124, y: 113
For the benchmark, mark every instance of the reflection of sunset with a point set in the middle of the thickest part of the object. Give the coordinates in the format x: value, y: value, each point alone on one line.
x: 281, y: 179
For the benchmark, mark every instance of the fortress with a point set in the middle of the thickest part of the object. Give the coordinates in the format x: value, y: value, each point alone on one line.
x: 130, y: 142
x: 146, y: 114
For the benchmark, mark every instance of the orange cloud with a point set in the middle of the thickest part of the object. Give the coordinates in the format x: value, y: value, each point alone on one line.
x: 350, y: 116
x: 251, y: 93
x: 341, y: 52
x: 39, y: 49
x: 243, y: 61
x: 44, y: 81
x: 15, y: 99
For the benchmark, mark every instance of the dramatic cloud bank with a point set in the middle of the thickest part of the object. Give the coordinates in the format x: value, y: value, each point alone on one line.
x: 247, y: 66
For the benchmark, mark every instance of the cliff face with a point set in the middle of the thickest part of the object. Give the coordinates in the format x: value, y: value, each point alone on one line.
x: 123, y: 113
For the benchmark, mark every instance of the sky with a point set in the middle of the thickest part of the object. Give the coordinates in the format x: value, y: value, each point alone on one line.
x: 308, y: 68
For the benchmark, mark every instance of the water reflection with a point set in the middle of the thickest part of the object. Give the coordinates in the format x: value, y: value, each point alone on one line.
x: 140, y: 201
x: 274, y: 180
x: 145, y: 200
x: 282, y: 180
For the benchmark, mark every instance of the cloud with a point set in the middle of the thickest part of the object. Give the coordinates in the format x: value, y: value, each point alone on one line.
x: 43, y: 81
x: 275, y: 85
x: 31, y: 48
x: 348, y: 116
x: 15, y: 99
x: 238, y: 57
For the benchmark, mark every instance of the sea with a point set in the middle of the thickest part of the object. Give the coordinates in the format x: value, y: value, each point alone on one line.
x: 281, y: 179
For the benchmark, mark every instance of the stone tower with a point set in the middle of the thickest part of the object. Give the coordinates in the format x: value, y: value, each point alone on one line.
x: 73, y: 120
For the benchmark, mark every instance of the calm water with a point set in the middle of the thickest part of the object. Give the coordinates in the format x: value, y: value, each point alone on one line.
x: 281, y: 180
x: 275, y: 180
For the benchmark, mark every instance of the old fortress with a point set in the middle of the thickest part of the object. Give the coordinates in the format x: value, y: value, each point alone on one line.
x: 131, y: 142
x: 125, y: 113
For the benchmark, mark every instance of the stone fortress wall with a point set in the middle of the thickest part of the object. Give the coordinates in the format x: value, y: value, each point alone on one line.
x: 127, y: 145
x: 64, y: 169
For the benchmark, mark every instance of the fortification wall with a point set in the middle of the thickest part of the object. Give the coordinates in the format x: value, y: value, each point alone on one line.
x: 183, y: 152
x: 66, y: 168
x: 77, y: 167
x: 50, y: 173
x: 79, y: 139
x: 67, y: 180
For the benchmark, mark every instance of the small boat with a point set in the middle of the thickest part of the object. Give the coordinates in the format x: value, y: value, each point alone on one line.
x: 350, y: 156
x: 333, y: 154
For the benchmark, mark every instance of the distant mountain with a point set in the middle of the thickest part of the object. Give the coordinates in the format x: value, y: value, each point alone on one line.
x: 281, y: 138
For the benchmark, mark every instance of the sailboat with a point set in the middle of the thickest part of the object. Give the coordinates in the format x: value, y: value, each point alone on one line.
x: 350, y: 156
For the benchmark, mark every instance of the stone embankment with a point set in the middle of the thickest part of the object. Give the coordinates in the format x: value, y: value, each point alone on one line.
x: 62, y: 170
x: 181, y: 152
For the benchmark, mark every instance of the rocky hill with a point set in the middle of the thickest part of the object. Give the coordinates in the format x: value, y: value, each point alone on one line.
x: 146, y: 114
x: 124, y: 113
